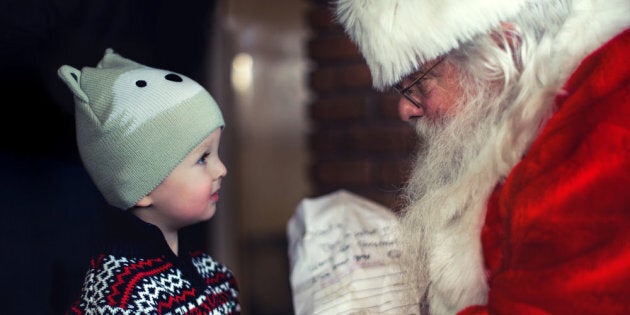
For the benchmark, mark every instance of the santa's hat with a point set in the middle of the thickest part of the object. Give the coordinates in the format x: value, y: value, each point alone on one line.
x: 396, y: 36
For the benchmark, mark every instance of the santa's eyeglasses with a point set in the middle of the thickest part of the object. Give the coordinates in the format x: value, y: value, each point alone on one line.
x: 412, y: 91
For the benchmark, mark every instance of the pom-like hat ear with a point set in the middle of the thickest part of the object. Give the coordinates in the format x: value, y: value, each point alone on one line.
x: 72, y: 78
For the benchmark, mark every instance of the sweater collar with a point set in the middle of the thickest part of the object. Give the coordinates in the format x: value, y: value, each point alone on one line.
x: 130, y: 236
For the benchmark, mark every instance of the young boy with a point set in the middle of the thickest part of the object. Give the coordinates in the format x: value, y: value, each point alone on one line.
x: 149, y: 140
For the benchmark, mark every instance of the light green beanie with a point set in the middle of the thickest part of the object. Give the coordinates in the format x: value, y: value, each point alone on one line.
x: 135, y: 124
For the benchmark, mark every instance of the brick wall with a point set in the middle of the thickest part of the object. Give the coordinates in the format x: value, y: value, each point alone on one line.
x: 357, y: 141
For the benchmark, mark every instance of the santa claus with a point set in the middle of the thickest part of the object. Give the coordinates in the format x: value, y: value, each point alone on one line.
x: 519, y: 202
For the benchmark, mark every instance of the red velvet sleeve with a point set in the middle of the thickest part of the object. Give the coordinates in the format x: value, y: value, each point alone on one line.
x: 557, y: 233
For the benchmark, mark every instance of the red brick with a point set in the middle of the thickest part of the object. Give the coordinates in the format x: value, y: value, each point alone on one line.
x: 330, y: 78
x: 356, y: 76
x: 385, y: 138
x: 321, y: 18
x: 324, y: 79
x: 330, y: 141
x: 392, y: 140
x: 333, y: 48
x: 344, y: 172
x: 394, y: 172
x: 339, y: 109
x: 388, y: 105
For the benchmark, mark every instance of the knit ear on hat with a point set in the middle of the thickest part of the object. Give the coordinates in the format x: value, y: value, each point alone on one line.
x: 72, y: 77
x: 114, y: 60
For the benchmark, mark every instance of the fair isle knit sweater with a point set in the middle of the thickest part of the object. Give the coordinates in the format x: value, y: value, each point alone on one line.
x: 137, y: 273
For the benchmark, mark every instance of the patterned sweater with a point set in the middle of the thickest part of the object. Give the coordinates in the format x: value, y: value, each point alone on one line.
x: 137, y: 273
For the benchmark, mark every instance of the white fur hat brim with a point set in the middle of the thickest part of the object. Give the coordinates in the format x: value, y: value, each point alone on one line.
x: 396, y: 36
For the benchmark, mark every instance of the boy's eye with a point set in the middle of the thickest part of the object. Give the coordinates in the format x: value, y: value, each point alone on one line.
x: 203, y: 158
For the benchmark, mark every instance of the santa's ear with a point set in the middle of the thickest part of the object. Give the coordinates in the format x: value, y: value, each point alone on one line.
x: 506, y: 36
x: 144, y: 202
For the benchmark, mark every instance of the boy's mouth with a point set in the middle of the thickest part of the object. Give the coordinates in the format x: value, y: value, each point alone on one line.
x: 215, y: 196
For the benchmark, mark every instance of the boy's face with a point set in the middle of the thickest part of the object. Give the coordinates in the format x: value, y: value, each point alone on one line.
x: 190, y: 193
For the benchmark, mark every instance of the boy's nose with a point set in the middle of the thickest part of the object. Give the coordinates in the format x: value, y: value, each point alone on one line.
x: 221, y: 170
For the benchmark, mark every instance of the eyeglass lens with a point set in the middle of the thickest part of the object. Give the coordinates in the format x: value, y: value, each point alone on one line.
x: 408, y: 92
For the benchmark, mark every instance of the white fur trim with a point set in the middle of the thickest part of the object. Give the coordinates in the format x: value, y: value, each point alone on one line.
x: 396, y: 36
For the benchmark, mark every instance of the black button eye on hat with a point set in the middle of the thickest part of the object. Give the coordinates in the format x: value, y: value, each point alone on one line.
x: 173, y: 77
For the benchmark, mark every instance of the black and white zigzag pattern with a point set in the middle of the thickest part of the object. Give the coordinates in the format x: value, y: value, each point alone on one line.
x: 119, y: 285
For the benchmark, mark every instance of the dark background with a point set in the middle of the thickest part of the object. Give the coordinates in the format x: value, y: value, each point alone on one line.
x: 50, y: 212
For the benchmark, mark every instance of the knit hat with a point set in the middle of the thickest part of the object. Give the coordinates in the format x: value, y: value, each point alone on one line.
x: 135, y: 124
x: 397, y: 36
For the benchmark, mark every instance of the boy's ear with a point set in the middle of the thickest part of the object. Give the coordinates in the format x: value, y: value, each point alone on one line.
x: 144, y: 202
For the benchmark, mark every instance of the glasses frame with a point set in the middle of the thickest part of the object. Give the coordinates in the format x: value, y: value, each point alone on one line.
x: 404, y: 90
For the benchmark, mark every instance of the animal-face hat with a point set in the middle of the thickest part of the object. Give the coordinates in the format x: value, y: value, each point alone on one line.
x: 135, y: 123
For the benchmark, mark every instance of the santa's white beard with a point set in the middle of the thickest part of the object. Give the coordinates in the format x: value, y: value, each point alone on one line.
x: 446, y: 194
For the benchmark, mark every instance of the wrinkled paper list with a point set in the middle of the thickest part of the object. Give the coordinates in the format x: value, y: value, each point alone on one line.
x: 345, y: 257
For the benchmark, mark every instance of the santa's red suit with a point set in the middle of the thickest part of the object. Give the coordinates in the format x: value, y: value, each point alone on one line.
x: 556, y: 238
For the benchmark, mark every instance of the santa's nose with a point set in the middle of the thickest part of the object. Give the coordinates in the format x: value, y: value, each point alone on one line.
x: 408, y: 110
